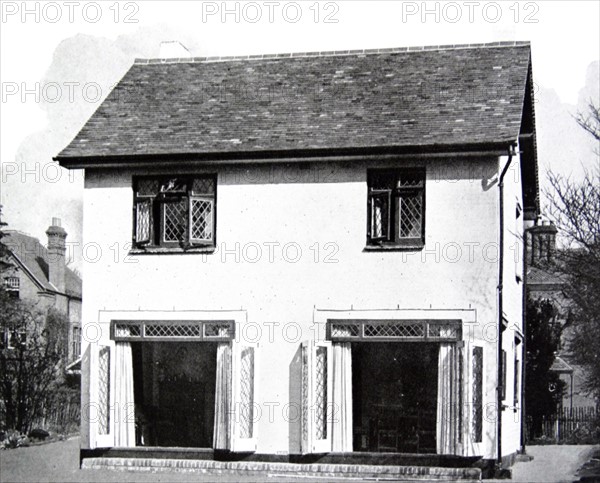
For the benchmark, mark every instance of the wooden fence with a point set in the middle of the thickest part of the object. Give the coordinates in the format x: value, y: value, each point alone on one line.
x: 568, y: 425
x: 61, y: 413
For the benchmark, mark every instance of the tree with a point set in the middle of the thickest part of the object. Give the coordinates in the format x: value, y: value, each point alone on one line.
x: 590, y: 121
x: 574, y: 207
x: 544, y: 387
x: 32, y: 353
x: 4, y: 252
x: 31, y: 360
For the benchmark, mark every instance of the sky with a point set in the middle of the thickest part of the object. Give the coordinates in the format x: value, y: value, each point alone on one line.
x: 58, y: 61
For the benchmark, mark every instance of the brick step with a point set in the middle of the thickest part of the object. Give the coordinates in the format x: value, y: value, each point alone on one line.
x: 283, y: 470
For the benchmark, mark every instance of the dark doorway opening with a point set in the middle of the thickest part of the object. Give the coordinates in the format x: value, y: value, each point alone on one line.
x: 394, y: 391
x: 174, y: 393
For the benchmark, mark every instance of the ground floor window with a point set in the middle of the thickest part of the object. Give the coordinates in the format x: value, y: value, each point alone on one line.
x: 173, y: 384
x: 174, y: 393
x: 394, y: 391
x: 398, y: 396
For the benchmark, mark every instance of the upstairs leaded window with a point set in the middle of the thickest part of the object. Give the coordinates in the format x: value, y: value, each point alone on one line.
x: 177, y: 211
x: 396, y: 208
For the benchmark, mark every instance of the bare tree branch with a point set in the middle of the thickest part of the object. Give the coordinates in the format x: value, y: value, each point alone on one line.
x: 574, y: 206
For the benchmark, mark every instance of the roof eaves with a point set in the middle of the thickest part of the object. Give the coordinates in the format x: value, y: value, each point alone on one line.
x: 285, y: 156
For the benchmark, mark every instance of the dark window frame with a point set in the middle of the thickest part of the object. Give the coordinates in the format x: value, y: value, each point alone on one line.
x: 12, y: 286
x: 390, y: 197
x: 425, y: 330
x: 517, y: 375
x: 169, y: 191
x: 75, y: 342
x: 503, y: 380
x: 158, y: 330
x: 13, y: 338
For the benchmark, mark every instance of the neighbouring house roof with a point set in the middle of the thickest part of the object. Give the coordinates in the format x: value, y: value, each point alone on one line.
x: 33, y: 256
x: 74, y: 367
x: 544, y: 279
x: 559, y: 365
x: 387, y: 98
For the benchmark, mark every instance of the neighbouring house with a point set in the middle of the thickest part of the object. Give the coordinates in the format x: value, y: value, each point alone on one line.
x: 544, y: 281
x: 318, y: 254
x: 39, y: 274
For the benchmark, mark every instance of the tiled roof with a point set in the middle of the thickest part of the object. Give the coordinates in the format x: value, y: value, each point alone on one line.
x: 540, y: 279
x: 559, y: 365
x: 34, y: 256
x: 413, y: 97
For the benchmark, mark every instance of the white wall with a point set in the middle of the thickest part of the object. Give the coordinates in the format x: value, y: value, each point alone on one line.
x: 319, y: 204
x: 512, y: 301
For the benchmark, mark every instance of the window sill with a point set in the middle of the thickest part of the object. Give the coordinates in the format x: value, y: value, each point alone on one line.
x: 416, y: 246
x: 172, y: 250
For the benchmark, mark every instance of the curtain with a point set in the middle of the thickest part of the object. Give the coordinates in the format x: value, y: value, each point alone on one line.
x: 342, y: 397
x: 124, y: 399
x: 449, y: 424
x: 222, y: 432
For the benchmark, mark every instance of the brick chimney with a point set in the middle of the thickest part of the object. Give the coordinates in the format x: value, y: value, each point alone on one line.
x: 56, y: 254
x: 172, y: 49
x: 541, y: 243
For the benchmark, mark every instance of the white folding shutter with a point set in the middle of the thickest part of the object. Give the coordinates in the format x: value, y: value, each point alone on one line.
x: 317, y: 384
x: 102, y: 384
x: 244, y: 406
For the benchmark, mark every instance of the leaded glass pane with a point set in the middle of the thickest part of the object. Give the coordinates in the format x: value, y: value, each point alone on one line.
x: 203, y: 186
x: 345, y: 330
x: 445, y: 331
x: 202, y: 220
x: 321, y: 393
x: 477, y: 422
x: 147, y: 187
x: 381, y: 180
x: 174, y: 185
x: 410, y: 180
x: 104, y: 390
x: 128, y: 330
x: 383, y: 329
x: 142, y: 221
x: 410, y: 215
x: 305, y: 395
x: 215, y: 329
x: 379, y: 216
x: 173, y: 330
x: 175, y: 220
x: 247, y: 393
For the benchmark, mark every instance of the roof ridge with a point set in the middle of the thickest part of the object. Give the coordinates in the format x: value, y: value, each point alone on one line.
x: 330, y: 53
x: 16, y: 230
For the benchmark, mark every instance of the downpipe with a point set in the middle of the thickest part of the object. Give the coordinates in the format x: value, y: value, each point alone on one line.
x: 511, y: 153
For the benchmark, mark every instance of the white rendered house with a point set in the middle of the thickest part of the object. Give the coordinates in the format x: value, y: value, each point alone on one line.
x: 319, y: 253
